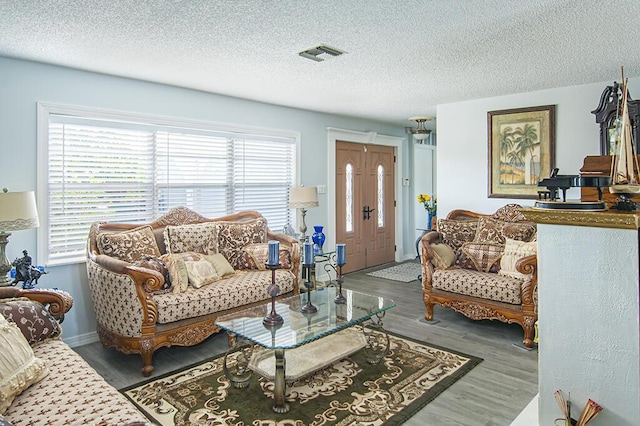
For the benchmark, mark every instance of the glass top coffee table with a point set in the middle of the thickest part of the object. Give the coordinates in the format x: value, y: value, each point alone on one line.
x: 300, y: 331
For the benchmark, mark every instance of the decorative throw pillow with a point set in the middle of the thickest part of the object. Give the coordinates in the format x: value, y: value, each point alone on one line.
x: 159, y: 265
x: 177, y: 272
x: 443, y: 256
x: 130, y: 246
x: 197, y: 237
x: 484, y: 256
x: 19, y: 368
x: 254, y: 256
x: 232, y: 236
x: 454, y: 233
x: 34, y: 321
x: 221, y: 265
x: 495, y: 231
x: 201, y: 272
x: 513, y: 251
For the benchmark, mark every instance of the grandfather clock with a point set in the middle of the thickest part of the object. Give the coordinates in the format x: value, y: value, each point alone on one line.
x: 607, y: 111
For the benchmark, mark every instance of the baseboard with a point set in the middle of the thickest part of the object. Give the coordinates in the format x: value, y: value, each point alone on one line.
x: 82, y: 339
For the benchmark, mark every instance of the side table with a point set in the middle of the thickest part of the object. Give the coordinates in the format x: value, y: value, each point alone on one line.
x: 424, y: 231
x: 328, y: 261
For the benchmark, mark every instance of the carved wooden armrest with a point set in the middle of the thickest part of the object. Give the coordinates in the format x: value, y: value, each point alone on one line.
x: 529, y: 266
x: 146, y: 281
x: 432, y: 237
x: 57, y: 302
x: 427, y: 253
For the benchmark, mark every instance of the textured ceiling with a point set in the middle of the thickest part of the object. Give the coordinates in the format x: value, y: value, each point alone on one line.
x: 403, y: 56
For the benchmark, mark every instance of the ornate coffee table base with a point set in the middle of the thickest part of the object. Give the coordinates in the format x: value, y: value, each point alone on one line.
x: 280, y: 404
x: 375, y: 343
x: 377, y: 340
x: 241, y: 373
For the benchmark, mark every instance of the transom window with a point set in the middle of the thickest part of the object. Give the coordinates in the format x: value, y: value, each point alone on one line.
x: 105, y: 166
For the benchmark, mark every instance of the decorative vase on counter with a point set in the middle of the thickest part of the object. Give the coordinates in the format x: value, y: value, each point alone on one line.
x: 318, y: 239
x: 430, y: 217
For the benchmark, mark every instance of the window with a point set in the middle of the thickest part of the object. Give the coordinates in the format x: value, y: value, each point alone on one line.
x: 105, y: 166
x: 349, y: 197
x: 380, y: 196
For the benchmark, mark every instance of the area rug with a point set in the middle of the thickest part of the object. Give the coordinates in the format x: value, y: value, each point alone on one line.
x: 348, y: 392
x: 405, y: 272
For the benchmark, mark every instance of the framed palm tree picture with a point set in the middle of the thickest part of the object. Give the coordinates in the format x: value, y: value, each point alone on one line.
x: 521, y: 150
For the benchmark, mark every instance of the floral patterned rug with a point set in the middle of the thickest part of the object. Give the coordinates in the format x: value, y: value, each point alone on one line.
x: 348, y: 392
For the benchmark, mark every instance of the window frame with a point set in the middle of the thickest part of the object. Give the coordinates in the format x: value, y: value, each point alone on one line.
x: 46, y: 109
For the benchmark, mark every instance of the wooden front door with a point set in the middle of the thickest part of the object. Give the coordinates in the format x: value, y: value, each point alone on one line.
x: 365, y: 203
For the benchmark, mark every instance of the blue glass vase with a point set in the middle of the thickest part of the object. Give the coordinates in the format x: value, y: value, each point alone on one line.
x: 318, y: 239
x: 430, y: 216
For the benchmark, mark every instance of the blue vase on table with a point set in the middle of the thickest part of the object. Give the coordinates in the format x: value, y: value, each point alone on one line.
x: 318, y: 238
x: 430, y: 217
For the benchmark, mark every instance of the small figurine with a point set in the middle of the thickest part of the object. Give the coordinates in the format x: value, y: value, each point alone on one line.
x: 26, y: 272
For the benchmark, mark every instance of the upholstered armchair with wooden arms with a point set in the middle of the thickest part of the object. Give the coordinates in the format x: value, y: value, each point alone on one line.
x: 483, y: 266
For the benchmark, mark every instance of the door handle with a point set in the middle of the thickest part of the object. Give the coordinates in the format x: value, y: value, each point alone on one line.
x: 366, y: 213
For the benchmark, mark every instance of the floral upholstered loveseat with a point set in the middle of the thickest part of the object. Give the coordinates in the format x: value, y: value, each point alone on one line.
x: 43, y: 381
x: 165, y: 283
x: 483, y: 266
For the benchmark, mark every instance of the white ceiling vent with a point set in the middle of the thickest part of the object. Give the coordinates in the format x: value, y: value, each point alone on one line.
x: 315, y: 52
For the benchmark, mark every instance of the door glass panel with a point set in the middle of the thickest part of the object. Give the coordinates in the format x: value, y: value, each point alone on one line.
x: 349, y: 197
x: 380, y: 196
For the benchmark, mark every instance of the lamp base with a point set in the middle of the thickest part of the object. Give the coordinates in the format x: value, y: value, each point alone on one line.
x: 303, y: 227
x: 5, y: 265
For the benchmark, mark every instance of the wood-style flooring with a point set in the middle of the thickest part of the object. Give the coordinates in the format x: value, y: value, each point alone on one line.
x: 492, y: 394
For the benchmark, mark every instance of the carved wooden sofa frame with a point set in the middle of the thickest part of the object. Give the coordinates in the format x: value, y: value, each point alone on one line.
x: 524, y: 314
x: 186, y: 332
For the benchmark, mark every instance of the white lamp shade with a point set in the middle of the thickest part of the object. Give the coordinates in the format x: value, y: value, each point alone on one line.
x: 303, y: 196
x: 18, y: 211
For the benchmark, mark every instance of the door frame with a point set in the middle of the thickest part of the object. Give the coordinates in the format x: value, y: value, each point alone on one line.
x: 371, y: 138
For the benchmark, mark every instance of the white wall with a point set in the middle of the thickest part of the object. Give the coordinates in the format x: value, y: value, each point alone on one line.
x: 588, y: 316
x: 23, y: 84
x: 462, y: 141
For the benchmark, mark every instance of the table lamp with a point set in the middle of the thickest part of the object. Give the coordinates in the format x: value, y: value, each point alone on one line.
x: 17, y: 212
x: 301, y: 197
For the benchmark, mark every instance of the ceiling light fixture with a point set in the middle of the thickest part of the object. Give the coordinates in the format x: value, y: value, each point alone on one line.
x: 315, y: 52
x: 420, y: 133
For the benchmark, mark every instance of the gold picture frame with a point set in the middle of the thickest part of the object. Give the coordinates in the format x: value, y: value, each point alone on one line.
x: 521, y: 150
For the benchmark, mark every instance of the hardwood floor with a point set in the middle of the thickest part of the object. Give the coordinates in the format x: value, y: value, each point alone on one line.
x: 492, y: 394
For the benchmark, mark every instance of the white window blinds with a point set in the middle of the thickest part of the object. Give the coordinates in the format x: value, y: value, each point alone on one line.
x: 118, y: 171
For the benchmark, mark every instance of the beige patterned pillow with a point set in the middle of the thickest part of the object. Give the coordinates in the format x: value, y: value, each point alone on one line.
x: 197, y: 237
x: 221, y: 265
x: 177, y: 272
x: 443, y: 256
x: 19, y: 368
x: 513, y: 251
x: 233, y: 236
x: 484, y: 256
x: 495, y: 231
x: 454, y: 233
x: 201, y: 272
x: 130, y: 246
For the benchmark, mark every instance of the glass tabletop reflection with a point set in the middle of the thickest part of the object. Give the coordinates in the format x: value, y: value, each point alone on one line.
x: 299, y: 328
